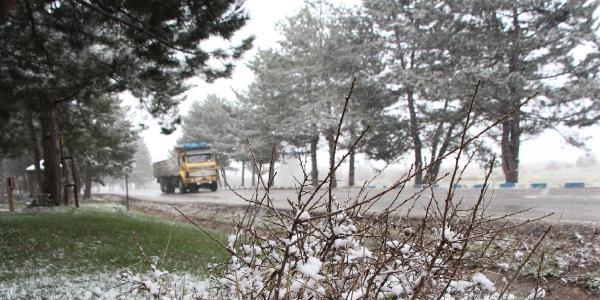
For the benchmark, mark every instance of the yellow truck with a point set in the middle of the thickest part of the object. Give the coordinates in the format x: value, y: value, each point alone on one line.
x: 192, y: 166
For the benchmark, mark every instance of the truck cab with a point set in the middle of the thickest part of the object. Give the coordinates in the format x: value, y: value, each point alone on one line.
x: 197, y: 167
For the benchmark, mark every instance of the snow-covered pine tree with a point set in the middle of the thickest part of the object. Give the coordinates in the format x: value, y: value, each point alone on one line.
x: 141, y: 173
x: 209, y: 121
x: 272, y: 109
x: 300, y: 85
x: 357, y: 53
x: 99, y: 138
x: 524, y: 48
x: 422, y: 75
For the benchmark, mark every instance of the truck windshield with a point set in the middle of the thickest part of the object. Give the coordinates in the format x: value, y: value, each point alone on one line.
x: 196, y: 158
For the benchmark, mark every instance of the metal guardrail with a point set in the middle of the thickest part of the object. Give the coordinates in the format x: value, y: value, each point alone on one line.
x: 574, y: 185
x: 505, y: 185
x: 538, y: 185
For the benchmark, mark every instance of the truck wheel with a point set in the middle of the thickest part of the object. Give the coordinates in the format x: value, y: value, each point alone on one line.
x: 182, y: 187
x: 170, y: 189
x: 213, y: 186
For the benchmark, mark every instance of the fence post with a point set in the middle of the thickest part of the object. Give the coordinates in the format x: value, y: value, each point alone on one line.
x: 10, y: 185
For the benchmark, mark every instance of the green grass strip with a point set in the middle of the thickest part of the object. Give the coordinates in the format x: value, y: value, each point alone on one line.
x: 92, y: 239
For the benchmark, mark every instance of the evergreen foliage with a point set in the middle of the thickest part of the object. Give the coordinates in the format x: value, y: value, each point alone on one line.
x: 300, y: 86
x: 100, y: 139
x: 141, y: 173
x: 436, y: 51
x: 210, y: 121
x: 55, y: 52
x: 526, y: 48
x: 416, y: 63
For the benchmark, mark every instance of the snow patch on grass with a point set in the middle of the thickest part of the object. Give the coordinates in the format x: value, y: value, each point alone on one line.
x: 103, y: 285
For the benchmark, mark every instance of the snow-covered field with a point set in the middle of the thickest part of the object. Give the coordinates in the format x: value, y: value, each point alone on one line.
x: 105, y: 285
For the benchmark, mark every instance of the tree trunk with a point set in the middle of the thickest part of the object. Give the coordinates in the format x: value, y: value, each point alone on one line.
x: 414, y: 134
x: 243, y: 172
x: 271, y: 179
x: 78, y: 183
x: 331, y: 141
x: 68, y: 182
x: 511, y: 128
x: 2, y: 180
x: 35, y: 150
x: 87, y: 192
x: 351, y: 169
x: 253, y: 174
x: 53, y: 177
x: 510, y: 149
x: 434, y: 170
x: 314, y: 172
x: 351, y: 160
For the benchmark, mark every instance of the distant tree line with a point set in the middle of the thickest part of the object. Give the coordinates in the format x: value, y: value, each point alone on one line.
x: 63, y: 63
x: 417, y: 64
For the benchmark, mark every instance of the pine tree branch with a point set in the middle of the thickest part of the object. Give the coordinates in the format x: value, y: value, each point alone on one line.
x: 140, y: 28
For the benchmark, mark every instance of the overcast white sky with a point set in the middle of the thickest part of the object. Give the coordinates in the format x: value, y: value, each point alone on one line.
x: 264, y: 15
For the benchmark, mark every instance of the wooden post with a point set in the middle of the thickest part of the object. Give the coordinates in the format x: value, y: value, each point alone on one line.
x: 10, y: 186
x: 127, y: 190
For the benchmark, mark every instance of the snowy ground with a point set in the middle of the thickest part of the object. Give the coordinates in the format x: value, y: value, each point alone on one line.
x: 51, y: 264
x: 107, y: 284
x: 571, y: 268
x: 571, y: 264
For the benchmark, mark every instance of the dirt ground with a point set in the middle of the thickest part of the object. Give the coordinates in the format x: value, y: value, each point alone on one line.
x: 571, y: 252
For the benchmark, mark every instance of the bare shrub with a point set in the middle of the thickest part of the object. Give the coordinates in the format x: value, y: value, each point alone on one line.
x: 327, y: 247
x: 323, y: 248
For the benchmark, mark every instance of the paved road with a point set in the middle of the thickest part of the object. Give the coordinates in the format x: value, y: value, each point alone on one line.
x: 568, y: 205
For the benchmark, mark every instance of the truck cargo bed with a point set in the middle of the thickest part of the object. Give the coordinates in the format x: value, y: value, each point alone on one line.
x: 164, y: 168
